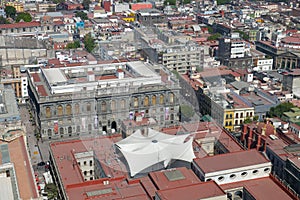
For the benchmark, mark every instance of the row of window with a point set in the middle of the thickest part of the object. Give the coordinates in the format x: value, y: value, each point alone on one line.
x: 243, y: 174
x: 241, y: 115
x: 85, y: 163
x: 113, y: 105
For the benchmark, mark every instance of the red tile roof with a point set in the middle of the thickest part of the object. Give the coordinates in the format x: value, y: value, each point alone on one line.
x: 42, y: 91
x: 203, y: 190
x: 20, y: 25
x: 161, y: 181
x: 230, y: 161
x: 261, y: 188
x: 36, y: 77
x: 19, y: 157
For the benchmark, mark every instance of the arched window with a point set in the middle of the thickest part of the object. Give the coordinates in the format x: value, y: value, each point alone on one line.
x: 61, y: 130
x: 77, y: 108
x: 103, y: 106
x: 161, y: 99
x: 171, y: 98
x: 153, y: 100
x: 59, y: 110
x: 69, y: 109
x: 113, y: 105
x: 123, y: 104
x: 48, y: 112
x: 88, y: 107
x: 77, y: 129
x: 69, y: 129
x: 136, y: 102
x: 146, y: 101
x: 49, y: 132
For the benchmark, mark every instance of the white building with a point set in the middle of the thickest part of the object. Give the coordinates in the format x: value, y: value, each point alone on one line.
x: 232, y: 167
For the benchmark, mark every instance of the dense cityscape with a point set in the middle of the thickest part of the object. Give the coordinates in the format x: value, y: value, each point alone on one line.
x: 152, y: 99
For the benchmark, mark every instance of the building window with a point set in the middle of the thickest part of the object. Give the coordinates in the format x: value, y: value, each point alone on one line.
x: 69, y: 109
x: 84, y: 163
x: 59, y: 110
x: 232, y: 176
x: 161, y: 99
x: 69, y: 129
x: 146, y: 101
x: 122, y: 104
x: 49, y: 132
x: 243, y: 174
x: 153, y: 100
x: 91, y: 172
x: 48, y: 112
x: 237, y: 115
x: 221, y: 178
x: 171, y: 98
x: 77, y: 129
x: 88, y: 107
x: 136, y: 102
x: 91, y: 163
x: 242, y: 115
x: 77, y: 108
x: 89, y: 127
x: 255, y: 172
x: 267, y: 170
x: 103, y: 106
x: 113, y: 105
x: 236, y: 122
x: 85, y: 173
x: 61, y: 130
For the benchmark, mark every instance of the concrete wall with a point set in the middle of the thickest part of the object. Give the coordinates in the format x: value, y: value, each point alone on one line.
x: 11, y: 56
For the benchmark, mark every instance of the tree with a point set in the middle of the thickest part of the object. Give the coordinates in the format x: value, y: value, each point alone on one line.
x: 73, y: 45
x: 86, y: 4
x: 58, y: 1
x: 83, y: 16
x: 171, y: 2
x: 10, y: 11
x: 26, y: 17
x: 222, y: 2
x: 89, y: 43
x: 280, y: 109
x: 243, y: 35
x: 248, y: 120
x: 3, y: 20
x: 214, y: 36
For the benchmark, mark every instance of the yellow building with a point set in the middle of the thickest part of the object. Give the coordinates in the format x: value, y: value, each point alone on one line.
x: 17, y: 5
x: 229, y: 119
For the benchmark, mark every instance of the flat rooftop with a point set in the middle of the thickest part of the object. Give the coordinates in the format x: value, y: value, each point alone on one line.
x: 261, y: 188
x: 228, y: 161
x: 173, y: 178
x: 204, y: 190
x: 64, y: 156
x: 49, y: 81
x: 17, y: 154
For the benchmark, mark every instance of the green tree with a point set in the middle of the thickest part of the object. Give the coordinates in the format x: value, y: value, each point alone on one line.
x: 26, y: 17
x: 51, y: 189
x: 171, y: 2
x: 248, y: 120
x: 214, y: 36
x: 243, y: 35
x: 222, y: 2
x: 89, y: 42
x: 3, y: 20
x: 58, y: 1
x: 73, y: 45
x: 10, y: 11
x: 86, y: 4
x: 280, y: 109
x: 83, y: 16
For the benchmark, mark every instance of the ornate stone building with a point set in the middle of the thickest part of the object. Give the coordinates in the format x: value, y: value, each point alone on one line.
x: 94, y: 99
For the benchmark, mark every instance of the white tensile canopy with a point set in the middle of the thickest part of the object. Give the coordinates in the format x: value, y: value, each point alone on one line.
x: 143, y: 151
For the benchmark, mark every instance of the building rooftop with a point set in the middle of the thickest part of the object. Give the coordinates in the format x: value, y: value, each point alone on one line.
x: 15, y: 152
x: 230, y: 161
x: 204, y: 190
x: 107, y: 189
x: 172, y: 178
x: 50, y: 81
x: 261, y: 188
